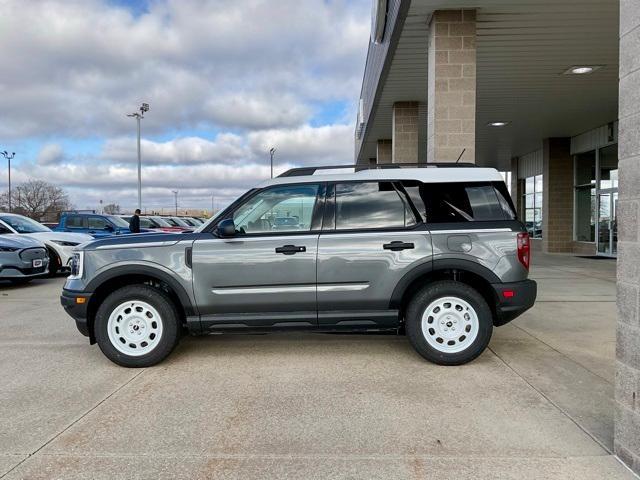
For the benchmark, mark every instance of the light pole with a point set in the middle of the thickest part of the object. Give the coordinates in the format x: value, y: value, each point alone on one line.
x: 9, y: 157
x: 175, y: 193
x: 271, y: 152
x: 213, y: 204
x: 138, y: 116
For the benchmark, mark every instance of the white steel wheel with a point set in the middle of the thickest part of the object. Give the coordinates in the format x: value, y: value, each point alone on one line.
x: 134, y: 328
x: 450, y: 324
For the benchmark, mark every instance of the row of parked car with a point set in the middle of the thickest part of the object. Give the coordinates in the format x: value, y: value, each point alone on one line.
x: 29, y: 249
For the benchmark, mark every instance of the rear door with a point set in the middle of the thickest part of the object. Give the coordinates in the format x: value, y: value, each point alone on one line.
x: 372, y: 236
x: 264, y: 276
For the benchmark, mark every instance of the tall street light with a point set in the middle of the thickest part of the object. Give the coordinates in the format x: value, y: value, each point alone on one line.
x: 175, y: 193
x: 9, y: 157
x: 271, y: 152
x: 138, y: 116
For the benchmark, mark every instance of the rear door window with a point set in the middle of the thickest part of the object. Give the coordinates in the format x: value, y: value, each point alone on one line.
x: 74, y: 221
x: 371, y: 205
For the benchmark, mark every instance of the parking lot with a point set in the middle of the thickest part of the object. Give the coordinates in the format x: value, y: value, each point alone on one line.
x: 537, y: 404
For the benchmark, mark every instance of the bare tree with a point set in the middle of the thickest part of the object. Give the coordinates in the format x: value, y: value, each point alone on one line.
x: 36, y: 198
x: 111, y: 209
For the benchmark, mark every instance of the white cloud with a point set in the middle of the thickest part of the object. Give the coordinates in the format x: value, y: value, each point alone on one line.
x: 50, y: 154
x: 252, y: 72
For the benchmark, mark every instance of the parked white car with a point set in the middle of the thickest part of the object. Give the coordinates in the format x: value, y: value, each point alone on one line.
x: 59, y: 244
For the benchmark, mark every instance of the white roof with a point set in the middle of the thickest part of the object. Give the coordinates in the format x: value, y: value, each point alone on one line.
x: 425, y: 175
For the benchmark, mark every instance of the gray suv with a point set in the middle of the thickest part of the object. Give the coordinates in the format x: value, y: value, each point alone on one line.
x: 436, y: 252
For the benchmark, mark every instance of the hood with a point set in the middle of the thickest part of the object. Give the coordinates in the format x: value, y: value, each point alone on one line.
x: 16, y: 240
x: 62, y: 236
x: 134, y: 239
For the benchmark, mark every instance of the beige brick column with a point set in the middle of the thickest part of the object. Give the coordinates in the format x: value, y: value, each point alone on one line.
x: 627, y: 391
x: 451, y: 86
x: 557, y: 195
x: 383, y: 151
x: 404, y: 142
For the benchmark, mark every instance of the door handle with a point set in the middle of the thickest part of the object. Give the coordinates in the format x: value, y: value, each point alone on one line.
x: 290, y: 249
x: 398, y: 245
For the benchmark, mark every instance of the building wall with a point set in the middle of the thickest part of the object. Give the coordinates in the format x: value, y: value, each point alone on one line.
x: 627, y: 388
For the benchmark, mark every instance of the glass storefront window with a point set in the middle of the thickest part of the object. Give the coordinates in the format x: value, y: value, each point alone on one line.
x: 609, y: 167
x: 596, y: 194
x: 532, y: 202
x: 585, y: 197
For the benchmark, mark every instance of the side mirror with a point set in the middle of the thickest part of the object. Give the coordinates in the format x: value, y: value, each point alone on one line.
x: 226, y: 228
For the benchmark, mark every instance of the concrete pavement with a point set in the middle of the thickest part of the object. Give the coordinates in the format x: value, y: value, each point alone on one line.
x: 537, y: 404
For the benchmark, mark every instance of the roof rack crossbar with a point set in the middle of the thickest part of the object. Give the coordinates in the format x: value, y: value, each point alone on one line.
x: 304, y: 171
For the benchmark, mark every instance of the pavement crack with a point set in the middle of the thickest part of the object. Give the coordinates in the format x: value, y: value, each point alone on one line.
x: 548, y: 399
x: 562, y: 353
x: 74, y: 422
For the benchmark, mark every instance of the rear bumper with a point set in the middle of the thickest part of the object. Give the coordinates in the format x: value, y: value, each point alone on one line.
x: 77, y: 311
x: 514, y: 298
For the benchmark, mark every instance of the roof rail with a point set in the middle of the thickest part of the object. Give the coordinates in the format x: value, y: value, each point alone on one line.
x: 304, y: 171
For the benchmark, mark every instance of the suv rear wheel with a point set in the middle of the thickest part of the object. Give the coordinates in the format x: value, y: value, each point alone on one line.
x: 137, y: 326
x: 449, y: 323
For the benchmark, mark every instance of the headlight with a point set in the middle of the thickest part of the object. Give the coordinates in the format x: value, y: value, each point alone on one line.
x: 77, y: 265
x: 66, y: 244
x: 8, y: 249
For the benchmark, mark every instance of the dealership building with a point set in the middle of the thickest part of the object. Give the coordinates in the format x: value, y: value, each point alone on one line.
x: 547, y: 91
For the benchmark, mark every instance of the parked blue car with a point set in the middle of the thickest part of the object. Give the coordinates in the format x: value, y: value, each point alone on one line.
x: 94, y: 224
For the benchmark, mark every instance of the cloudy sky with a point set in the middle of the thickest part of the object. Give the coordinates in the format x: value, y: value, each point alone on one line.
x: 225, y: 80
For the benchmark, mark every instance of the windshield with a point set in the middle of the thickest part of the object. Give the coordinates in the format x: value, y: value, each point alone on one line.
x: 117, y: 221
x: 179, y: 222
x: 161, y: 222
x: 190, y: 222
x: 24, y: 224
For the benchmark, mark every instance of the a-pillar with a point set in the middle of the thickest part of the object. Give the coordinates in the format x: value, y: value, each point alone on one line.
x: 451, y: 86
x: 557, y: 195
x: 627, y: 389
x: 404, y: 141
x: 383, y: 151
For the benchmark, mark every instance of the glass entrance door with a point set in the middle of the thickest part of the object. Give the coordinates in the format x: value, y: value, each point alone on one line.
x: 607, y: 223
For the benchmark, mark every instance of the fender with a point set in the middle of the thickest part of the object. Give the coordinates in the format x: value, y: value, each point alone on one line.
x: 438, y: 265
x: 141, y: 269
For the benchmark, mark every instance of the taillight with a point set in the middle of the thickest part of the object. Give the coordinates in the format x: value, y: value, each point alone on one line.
x: 524, y: 249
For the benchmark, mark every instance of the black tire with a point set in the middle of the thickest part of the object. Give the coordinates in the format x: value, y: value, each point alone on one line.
x: 431, y: 293
x: 54, y: 263
x: 161, y: 303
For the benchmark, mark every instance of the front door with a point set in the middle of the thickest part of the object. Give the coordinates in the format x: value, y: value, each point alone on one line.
x: 265, y: 275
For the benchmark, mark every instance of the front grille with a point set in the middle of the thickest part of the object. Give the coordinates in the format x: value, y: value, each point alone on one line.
x: 29, y: 254
x: 33, y: 271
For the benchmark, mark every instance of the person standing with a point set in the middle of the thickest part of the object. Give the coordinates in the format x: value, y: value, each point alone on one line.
x: 134, y: 223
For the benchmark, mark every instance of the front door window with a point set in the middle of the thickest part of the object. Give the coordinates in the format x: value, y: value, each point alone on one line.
x: 278, y: 210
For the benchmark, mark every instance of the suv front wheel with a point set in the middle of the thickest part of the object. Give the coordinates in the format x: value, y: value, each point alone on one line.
x: 449, y: 323
x: 137, y: 326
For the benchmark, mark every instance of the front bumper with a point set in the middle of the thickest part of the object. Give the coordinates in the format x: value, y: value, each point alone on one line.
x: 514, y: 298
x: 76, y: 305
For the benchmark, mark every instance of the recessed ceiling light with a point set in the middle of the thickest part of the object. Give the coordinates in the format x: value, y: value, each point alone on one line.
x: 498, y: 124
x: 581, y: 69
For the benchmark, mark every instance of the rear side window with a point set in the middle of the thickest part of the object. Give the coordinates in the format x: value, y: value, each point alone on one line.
x: 371, y: 205
x: 460, y: 202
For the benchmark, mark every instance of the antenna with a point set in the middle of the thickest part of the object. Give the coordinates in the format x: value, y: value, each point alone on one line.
x: 461, y: 153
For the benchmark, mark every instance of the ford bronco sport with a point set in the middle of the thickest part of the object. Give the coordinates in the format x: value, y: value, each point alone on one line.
x: 435, y: 252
